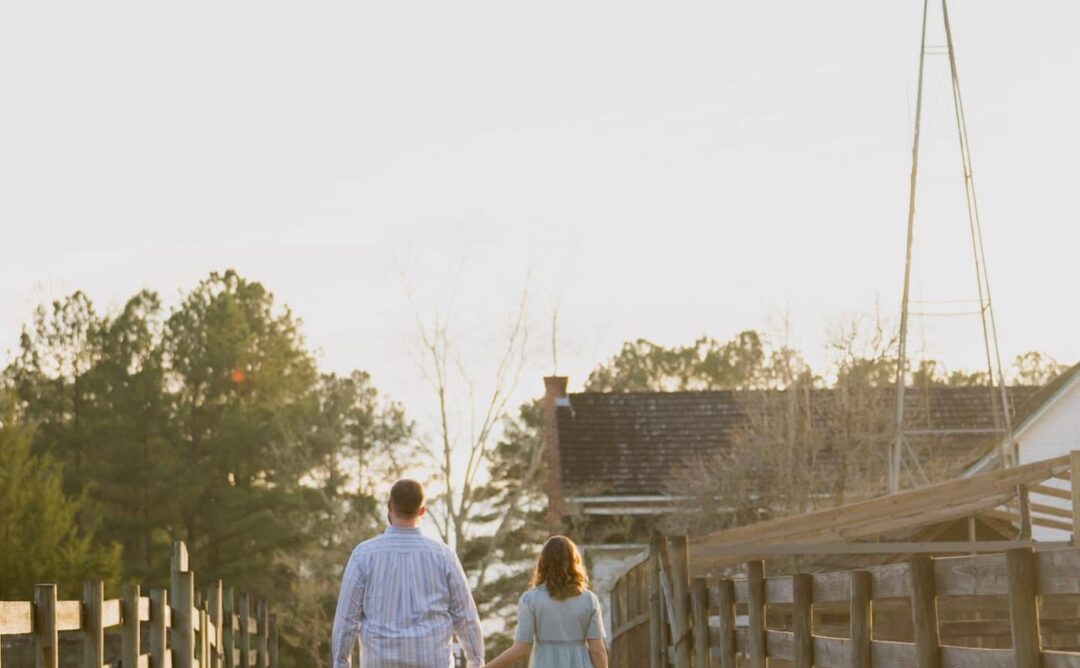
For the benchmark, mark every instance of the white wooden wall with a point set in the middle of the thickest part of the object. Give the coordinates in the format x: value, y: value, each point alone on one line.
x: 1054, y: 433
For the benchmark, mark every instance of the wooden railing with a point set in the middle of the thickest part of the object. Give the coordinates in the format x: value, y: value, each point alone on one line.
x: 1018, y: 608
x: 183, y: 629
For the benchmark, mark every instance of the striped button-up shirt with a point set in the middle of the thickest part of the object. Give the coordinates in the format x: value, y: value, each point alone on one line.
x: 405, y: 595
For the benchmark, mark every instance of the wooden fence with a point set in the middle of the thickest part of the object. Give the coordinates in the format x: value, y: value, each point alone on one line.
x: 1018, y: 608
x: 182, y: 629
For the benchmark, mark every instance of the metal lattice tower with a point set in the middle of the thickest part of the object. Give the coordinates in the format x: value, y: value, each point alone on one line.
x: 903, y: 460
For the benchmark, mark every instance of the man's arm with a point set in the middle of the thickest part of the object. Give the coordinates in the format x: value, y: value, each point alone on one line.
x: 350, y: 609
x: 463, y: 612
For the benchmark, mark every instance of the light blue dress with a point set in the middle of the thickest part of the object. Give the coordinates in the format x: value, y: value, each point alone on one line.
x: 558, y: 629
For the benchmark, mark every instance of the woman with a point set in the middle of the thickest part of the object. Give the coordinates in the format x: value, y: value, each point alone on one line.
x: 559, y: 618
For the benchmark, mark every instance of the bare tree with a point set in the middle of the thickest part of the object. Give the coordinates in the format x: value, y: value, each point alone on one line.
x: 465, y: 437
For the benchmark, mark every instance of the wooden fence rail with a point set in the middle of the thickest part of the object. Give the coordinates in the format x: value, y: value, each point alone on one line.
x: 183, y: 630
x: 1018, y: 608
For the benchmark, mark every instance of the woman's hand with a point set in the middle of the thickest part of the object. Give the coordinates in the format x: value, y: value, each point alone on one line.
x: 598, y: 653
x: 519, y: 650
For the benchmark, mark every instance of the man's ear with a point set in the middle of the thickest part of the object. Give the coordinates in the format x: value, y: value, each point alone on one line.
x: 390, y: 507
x: 420, y: 513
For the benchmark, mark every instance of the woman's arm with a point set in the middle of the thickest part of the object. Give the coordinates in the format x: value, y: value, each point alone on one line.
x: 519, y: 650
x: 598, y: 653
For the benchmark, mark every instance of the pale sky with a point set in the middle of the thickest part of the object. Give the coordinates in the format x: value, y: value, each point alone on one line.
x: 664, y: 170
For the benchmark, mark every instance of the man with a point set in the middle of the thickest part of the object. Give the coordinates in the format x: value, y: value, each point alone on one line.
x: 405, y: 595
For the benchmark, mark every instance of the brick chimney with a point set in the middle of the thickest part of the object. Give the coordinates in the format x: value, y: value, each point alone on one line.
x: 554, y: 396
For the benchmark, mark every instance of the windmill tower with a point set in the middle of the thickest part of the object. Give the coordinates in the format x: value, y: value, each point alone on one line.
x: 904, y: 465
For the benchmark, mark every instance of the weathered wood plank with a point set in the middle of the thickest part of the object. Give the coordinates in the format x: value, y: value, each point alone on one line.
x: 273, y: 641
x: 802, y: 619
x: 159, y: 606
x: 971, y: 576
x: 755, y: 581
x: 886, y: 654
x: 262, y: 649
x: 778, y: 590
x: 228, y: 635
x: 831, y: 587
x: 699, y: 611
x: 244, y: 605
x: 1060, y: 659
x: 924, y: 613
x: 110, y: 613
x: 68, y: 615
x: 860, y: 620
x: 725, y: 604
x: 680, y: 583
x: 16, y: 617
x: 973, y: 657
x: 1058, y: 571
x: 46, y: 638
x: 834, y: 653
x: 1023, y: 608
x: 780, y: 645
x: 183, y: 617
x: 93, y: 632
x: 1054, y: 492
x: 130, y: 636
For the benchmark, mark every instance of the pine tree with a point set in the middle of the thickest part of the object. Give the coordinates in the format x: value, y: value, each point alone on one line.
x: 40, y: 540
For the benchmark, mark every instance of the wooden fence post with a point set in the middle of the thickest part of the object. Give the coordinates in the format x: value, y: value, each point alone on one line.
x: 204, y: 635
x: 725, y: 602
x: 1023, y: 608
x: 263, y: 632
x: 45, y: 635
x: 755, y: 580
x: 245, y: 630
x: 924, y: 613
x: 129, y: 639
x: 699, y: 606
x: 183, y: 620
x: 802, y: 612
x: 861, y: 619
x: 214, y: 603
x: 273, y: 641
x: 159, y: 627
x: 680, y: 591
x: 229, y: 634
x: 92, y: 631
x: 656, y: 611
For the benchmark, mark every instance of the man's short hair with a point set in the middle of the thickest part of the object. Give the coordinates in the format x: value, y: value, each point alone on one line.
x: 407, y: 497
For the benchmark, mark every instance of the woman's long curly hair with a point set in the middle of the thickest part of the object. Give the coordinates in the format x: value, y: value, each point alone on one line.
x: 560, y: 569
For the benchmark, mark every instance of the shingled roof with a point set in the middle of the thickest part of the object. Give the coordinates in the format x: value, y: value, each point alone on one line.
x: 628, y: 443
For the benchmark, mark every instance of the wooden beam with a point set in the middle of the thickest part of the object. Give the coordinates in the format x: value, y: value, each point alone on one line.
x: 699, y: 610
x: 159, y: 608
x: 1046, y: 490
x: 1023, y: 608
x: 46, y: 638
x: 680, y: 586
x: 183, y: 620
x: 860, y: 619
x: 755, y: 578
x: 130, y: 637
x: 900, y: 547
x: 802, y: 615
x: 93, y: 632
x: 924, y: 613
x: 656, y: 612
x: 725, y: 603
